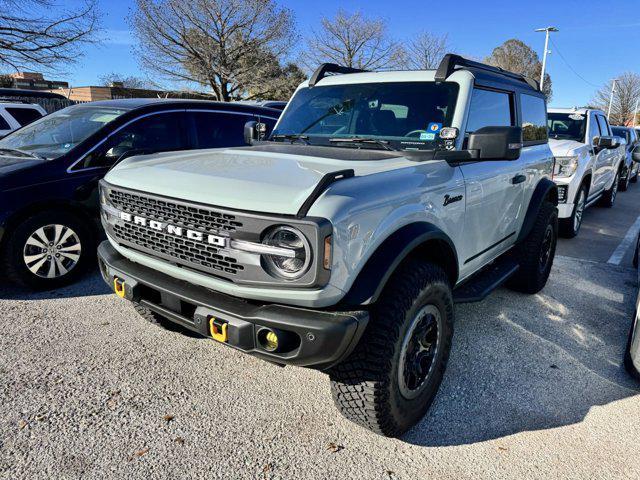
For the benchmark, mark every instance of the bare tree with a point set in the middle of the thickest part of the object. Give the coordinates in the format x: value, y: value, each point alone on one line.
x: 626, y: 94
x: 38, y: 33
x: 127, y: 81
x: 354, y: 41
x: 228, y: 45
x: 518, y: 57
x: 425, y: 50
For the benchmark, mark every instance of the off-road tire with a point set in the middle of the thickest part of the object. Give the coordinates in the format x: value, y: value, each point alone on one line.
x: 12, y: 262
x: 634, y: 179
x: 609, y: 197
x: 365, y: 387
x: 160, y: 321
x: 568, y: 225
x: 531, y: 277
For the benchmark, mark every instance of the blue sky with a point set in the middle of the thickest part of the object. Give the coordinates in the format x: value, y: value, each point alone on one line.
x: 598, y: 39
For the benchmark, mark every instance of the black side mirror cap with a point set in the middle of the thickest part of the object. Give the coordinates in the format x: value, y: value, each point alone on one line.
x: 606, y: 141
x: 496, y: 143
x: 254, y: 131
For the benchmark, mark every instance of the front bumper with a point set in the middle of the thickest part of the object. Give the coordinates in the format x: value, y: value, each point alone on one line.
x: 314, y: 338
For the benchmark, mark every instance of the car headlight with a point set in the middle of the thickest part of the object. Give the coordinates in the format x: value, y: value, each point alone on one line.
x: 565, y: 166
x: 295, y: 259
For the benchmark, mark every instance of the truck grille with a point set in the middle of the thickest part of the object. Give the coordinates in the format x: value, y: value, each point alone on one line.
x: 174, y: 213
x: 199, y: 255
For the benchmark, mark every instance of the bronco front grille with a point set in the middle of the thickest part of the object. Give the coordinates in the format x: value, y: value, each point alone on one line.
x: 174, y: 213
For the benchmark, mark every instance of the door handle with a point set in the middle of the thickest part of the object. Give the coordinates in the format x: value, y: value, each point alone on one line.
x: 518, y: 179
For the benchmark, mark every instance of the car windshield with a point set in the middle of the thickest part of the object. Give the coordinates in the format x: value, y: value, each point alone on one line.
x: 399, y: 115
x: 56, y: 134
x: 567, y: 126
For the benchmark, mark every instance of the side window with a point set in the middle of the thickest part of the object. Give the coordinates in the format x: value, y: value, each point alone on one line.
x: 24, y: 116
x: 162, y: 132
x: 534, y: 119
x: 219, y: 129
x: 594, y: 129
x: 604, y: 125
x: 489, y: 109
x: 4, y: 125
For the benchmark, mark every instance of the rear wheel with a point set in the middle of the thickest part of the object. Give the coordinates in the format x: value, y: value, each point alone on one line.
x: 609, y: 197
x: 634, y: 178
x: 48, y: 250
x: 536, y: 253
x: 569, y: 227
x: 624, y: 180
x: 389, y: 381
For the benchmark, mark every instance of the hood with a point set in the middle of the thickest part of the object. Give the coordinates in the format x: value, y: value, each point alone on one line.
x: 565, y: 148
x: 11, y: 164
x: 267, y: 178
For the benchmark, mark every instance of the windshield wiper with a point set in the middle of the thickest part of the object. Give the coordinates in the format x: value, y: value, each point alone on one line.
x: 291, y: 137
x: 373, y: 141
x: 22, y: 152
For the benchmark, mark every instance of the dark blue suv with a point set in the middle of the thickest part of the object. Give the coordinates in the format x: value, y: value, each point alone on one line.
x: 49, y: 173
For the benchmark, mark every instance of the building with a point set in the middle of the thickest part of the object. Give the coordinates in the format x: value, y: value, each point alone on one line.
x: 33, y: 81
x: 118, y: 91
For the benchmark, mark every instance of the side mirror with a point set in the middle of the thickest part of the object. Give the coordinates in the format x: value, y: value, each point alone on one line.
x: 635, y: 154
x: 496, y: 143
x: 605, y: 141
x: 254, y: 131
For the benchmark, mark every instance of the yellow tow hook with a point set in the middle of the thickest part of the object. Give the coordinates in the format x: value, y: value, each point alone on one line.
x: 218, y: 329
x: 118, y: 286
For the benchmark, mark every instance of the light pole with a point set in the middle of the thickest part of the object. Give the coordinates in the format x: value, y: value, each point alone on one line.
x: 547, y: 31
x: 613, y: 89
x: 635, y: 113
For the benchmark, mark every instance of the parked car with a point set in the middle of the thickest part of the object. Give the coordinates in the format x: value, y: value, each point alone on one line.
x: 342, y: 243
x: 49, y: 173
x: 50, y: 102
x: 589, y: 163
x: 14, y: 115
x: 632, y: 351
x: 277, y: 104
x: 630, y: 168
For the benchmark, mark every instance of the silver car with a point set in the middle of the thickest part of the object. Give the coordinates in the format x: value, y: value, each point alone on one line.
x: 632, y: 352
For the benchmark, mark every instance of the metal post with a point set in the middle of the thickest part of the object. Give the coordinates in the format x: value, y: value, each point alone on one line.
x: 635, y: 113
x: 613, y: 89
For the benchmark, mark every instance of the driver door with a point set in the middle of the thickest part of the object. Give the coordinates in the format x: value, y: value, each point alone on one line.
x: 494, y: 189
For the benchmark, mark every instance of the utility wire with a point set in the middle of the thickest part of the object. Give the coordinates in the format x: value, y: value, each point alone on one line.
x: 570, y: 67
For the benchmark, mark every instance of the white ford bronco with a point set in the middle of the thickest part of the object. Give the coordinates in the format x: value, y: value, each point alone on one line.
x: 342, y: 239
x: 589, y: 163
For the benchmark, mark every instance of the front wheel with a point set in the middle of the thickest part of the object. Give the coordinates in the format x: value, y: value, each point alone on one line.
x: 391, y: 378
x: 536, y: 253
x: 609, y: 197
x: 624, y: 181
x: 48, y: 250
x: 569, y: 227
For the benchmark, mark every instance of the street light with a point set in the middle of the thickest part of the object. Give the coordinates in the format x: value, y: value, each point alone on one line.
x: 547, y: 30
x: 613, y: 89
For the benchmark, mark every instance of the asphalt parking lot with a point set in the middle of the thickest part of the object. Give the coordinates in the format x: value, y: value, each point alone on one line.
x: 534, y: 389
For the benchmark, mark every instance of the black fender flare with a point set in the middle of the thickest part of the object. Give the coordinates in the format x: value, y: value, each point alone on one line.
x: 545, y: 189
x: 375, y: 274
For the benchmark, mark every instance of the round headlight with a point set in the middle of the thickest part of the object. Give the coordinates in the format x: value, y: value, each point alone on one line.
x: 297, y: 262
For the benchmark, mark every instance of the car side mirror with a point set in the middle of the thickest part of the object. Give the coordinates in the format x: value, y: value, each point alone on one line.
x: 254, y: 131
x: 496, y: 143
x: 605, y: 141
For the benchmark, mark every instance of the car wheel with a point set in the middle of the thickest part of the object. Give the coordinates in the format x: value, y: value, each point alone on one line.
x: 628, y: 361
x: 634, y: 178
x: 609, y: 197
x: 536, y: 253
x: 391, y: 378
x: 48, y: 250
x: 569, y: 227
x: 161, y: 321
x: 624, y: 181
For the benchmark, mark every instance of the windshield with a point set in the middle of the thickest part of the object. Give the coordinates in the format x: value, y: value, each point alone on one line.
x: 567, y: 126
x: 54, y: 135
x: 407, y: 115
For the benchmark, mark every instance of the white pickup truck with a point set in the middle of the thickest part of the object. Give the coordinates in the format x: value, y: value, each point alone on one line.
x: 588, y: 162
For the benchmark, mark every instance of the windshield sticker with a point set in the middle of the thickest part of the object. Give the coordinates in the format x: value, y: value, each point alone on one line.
x: 373, y: 104
x: 434, y: 127
x: 427, y: 136
x: 576, y: 116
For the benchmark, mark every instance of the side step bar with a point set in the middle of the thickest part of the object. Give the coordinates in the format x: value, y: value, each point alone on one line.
x: 479, y: 286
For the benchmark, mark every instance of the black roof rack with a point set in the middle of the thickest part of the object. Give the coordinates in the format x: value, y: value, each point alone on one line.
x: 327, y: 68
x: 451, y: 61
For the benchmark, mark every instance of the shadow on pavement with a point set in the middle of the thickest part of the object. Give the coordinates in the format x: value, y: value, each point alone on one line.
x: 522, y: 363
x: 90, y: 284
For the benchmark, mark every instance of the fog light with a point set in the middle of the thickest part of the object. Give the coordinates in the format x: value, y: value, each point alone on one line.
x: 268, y: 339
